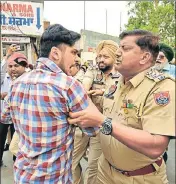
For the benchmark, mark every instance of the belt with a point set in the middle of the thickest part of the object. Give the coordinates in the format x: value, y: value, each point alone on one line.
x: 145, y: 170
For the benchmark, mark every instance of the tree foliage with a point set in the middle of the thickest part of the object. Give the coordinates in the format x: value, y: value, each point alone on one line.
x: 156, y: 16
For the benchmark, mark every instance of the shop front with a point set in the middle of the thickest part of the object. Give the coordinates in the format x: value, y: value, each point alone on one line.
x: 21, y: 24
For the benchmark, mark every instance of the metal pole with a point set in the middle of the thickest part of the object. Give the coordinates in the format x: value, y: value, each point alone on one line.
x: 120, y: 22
x: 84, y: 15
x: 106, y: 21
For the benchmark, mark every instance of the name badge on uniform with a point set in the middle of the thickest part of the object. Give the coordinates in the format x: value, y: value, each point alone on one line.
x: 99, y: 78
x: 116, y: 75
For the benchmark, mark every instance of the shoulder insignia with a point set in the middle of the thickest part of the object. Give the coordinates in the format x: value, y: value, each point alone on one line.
x: 111, y: 90
x: 155, y: 75
x: 162, y: 98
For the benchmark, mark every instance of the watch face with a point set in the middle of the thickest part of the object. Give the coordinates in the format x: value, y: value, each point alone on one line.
x: 107, y: 127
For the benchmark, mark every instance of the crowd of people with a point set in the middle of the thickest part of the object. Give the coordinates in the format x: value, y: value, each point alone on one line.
x: 119, y: 113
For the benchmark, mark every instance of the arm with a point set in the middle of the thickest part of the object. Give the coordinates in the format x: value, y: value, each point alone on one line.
x: 5, y: 114
x: 158, y: 125
x: 141, y: 141
x: 77, y: 101
x: 10, y: 50
x: 88, y: 79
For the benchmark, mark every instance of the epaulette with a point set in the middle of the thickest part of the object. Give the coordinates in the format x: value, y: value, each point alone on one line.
x: 155, y: 75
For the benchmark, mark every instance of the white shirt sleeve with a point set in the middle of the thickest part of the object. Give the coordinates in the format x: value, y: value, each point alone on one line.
x: 3, y: 69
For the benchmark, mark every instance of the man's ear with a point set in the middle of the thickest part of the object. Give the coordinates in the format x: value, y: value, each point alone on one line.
x: 145, y: 58
x: 56, y: 54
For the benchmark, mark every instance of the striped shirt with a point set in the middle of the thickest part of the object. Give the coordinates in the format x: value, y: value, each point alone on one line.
x: 40, y: 101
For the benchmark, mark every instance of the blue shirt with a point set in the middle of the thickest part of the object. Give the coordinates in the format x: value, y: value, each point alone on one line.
x: 169, y: 69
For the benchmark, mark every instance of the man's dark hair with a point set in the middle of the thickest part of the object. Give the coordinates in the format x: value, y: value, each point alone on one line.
x: 54, y: 36
x: 146, y: 41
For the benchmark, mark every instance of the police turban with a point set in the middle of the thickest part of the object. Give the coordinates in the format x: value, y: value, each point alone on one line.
x: 168, y: 52
x: 110, y: 46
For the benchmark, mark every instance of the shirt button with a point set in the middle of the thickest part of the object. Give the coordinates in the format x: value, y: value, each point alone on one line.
x: 122, y: 94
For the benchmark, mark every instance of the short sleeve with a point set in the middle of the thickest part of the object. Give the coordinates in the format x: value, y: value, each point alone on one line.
x: 88, y: 79
x: 159, y: 111
x: 77, y: 101
x: 77, y: 97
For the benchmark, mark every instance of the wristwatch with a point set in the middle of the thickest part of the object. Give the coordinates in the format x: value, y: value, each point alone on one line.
x: 106, y: 127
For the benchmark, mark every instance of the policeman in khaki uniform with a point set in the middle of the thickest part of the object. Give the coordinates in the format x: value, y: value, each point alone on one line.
x: 137, y: 125
x: 80, y: 139
x: 95, y: 82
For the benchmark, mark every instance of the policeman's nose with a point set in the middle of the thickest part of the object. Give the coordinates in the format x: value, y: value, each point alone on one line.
x: 118, y: 53
x: 100, y: 59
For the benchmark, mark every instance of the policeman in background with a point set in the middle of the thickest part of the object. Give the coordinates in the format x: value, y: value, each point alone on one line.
x: 95, y: 81
x: 137, y: 127
x: 80, y: 139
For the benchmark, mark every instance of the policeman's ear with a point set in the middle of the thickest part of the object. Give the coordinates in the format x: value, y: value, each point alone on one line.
x: 56, y: 54
x: 145, y: 58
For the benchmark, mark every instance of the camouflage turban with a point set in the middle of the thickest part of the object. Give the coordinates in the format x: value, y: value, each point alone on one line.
x: 109, y: 45
x: 168, y: 52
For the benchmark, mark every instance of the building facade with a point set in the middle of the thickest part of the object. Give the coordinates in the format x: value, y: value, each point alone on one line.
x: 89, y: 42
x: 21, y: 24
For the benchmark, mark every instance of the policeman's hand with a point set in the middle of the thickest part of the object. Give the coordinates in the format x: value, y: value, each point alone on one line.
x: 95, y: 92
x: 89, y: 117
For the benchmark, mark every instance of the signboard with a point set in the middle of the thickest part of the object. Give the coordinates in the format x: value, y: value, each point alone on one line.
x: 15, y: 39
x: 21, y: 18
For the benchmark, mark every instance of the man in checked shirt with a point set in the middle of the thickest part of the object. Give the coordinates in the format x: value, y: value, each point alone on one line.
x: 40, y: 101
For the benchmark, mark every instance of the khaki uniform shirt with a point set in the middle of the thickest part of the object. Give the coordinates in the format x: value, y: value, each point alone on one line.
x: 95, y: 79
x: 79, y: 76
x: 146, y: 102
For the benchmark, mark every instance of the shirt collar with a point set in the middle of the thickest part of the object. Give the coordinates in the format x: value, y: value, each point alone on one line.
x: 49, y: 64
x: 136, y: 80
